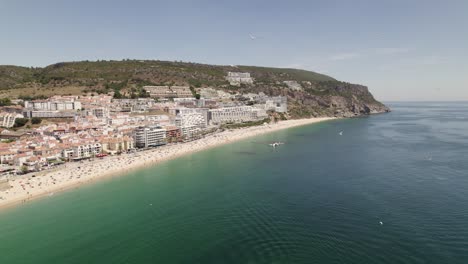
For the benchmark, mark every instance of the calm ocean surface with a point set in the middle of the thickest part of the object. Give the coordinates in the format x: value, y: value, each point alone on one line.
x: 319, y: 198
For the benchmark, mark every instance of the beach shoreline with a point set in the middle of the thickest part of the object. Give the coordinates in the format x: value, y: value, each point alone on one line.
x: 74, y: 175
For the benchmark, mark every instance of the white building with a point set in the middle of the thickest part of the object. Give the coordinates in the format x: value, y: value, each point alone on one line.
x: 236, y: 114
x: 190, y: 132
x: 8, y: 119
x: 182, y: 91
x: 150, y: 136
x: 158, y: 119
x: 100, y: 112
x: 159, y: 91
x: 169, y: 92
x: 184, y: 100
x: 82, y: 151
x: 132, y: 105
x: 49, y: 114
x: 190, y: 119
x: 6, y: 157
x: 238, y: 78
x: 191, y: 116
x: 67, y: 153
x: 53, y: 105
x: 278, y: 104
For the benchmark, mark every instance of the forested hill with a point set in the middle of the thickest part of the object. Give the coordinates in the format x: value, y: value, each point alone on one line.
x: 318, y: 94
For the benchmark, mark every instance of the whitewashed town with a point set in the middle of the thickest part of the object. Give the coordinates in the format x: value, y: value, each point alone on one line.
x: 63, y: 129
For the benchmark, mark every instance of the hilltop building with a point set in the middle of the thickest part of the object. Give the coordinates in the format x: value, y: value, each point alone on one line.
x: 169, y: 92
x: 238, y: 78
x: 49, y: 114
x: 53, y: 105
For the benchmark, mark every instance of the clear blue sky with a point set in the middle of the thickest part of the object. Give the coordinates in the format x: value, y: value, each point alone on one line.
x: 402, y: 50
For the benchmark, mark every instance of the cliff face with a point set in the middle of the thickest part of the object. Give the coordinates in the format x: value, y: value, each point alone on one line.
x: 330, y: 98
x: 302, y: 104
x: 309, y: 93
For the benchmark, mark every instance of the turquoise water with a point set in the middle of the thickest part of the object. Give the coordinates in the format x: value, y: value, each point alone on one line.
x: 319, y: 198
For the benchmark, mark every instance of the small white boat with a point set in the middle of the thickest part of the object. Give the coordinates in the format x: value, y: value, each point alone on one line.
x: 275, y: 144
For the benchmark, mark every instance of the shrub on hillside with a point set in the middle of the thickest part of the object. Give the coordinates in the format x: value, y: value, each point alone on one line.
x: 20, y: 122
x: 36, y: 120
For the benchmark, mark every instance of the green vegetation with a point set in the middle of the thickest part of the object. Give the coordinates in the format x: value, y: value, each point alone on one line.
x: 118, y: 95
x: 282, y: 116
x: 13, y: 76
x: 322, y: 95
x: 5, y: 101
x: 246, y: 124
x: 194, y: 93
x: 32, y: 97
x: 262, y: 74
x: 36, y: 120
x: 20, y: 122
x: 118, y: 75
x: 24, y: 169
x: 143, y: 93
x: 195, y: 83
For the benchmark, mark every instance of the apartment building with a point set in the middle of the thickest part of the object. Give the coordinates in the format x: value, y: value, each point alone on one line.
x: 190, y: 132
x: 100, y: 112
x: 191, y: 119
x: 191, y: 116
x: 113, y: 145
x: 173, y: 134
x: 8, y: 119
x: 182, y: 91
x: 236, y: 114
x: 48, y: 114
x: 149, y: 136
x: 160, y: 91
x: 82, y: 151
x: 53, y: 105
x: 169, y: 92
x: 6, y: 157
x: 132, y: 105
x: 238, y: 78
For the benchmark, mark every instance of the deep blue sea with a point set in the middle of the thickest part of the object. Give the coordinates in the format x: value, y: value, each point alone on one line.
x: 393, y: 188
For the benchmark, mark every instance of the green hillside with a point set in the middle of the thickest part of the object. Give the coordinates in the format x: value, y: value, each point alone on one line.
x: 321, y: 95
x: 97, y: 73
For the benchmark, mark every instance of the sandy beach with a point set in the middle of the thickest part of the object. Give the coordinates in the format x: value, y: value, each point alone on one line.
x: 72, y: 175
